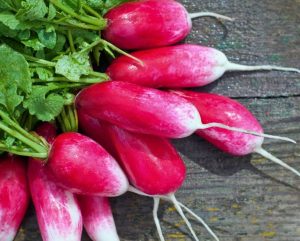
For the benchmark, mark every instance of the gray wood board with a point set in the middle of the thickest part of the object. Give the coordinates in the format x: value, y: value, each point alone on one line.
x: 241, y: 198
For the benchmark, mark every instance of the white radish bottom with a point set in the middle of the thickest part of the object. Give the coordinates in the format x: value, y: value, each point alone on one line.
x: 178, y: 206
x: 107, y: 235
x: 222, y: 64
x: 7, y: 234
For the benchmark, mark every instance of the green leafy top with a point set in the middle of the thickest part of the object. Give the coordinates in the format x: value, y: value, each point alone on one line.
x: 15, y: 80
x: 45, y: 58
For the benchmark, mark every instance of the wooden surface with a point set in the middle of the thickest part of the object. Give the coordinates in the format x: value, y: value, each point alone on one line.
x: 241, y: 198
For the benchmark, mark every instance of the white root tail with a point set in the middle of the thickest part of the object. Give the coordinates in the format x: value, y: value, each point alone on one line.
x: 156, y: 219
x: 238, y: 67
x: 180, y: 212
x: 209, y: 14
x: 269, y: 156
x: 213, y: 124
x: 199, y: 219
x: 171, y: 198
x: 155, y: 209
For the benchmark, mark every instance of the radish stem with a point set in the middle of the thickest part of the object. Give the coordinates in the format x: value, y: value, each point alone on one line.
x: 36, y: 146
x: 21, y: 151
x: 99, y: 22
x: 269, y: 156
x: 91, y: 10
x: 120, y: 51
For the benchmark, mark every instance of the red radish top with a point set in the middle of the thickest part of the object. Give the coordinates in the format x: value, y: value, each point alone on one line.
x: 139, y: 109
x: 146, y: 24
x: 217, y: 108
x: 91, y: 205
x: 14, y: 195
x: 96, y: 130
x: 184, y: 65
x: 84, y: 167
x: 47, y: 130
x: 151, y: 163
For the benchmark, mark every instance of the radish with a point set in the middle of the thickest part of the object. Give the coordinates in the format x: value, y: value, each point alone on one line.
x: 149, y: 23
x: 221, y: 109
x: 184, y: 65
x: 14, y: 196
x: 82, y: 166
x: 71, y: 154
x: 57, y: 210
x: 97, y: 218
x: 140, y: 161
x: 145, y: 110
x: 152, y: 164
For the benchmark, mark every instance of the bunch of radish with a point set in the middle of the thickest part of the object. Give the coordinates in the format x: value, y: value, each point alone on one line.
x: 126, y: 125
x: 129, y: 102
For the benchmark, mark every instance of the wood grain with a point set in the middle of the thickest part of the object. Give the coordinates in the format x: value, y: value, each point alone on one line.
x: 241, y: 198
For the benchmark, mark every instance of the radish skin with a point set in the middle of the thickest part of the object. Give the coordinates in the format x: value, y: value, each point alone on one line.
x: 151, y: 163
x: 57, y: 210
x: 221, y: 109
x: 82, y: 166
x: 147, y: 160
x: 150, y: 23
x: 14, y: 196
x: 139, y: 109
x: 97, y: 218
x: 198, y: 66
x: 146, y: 110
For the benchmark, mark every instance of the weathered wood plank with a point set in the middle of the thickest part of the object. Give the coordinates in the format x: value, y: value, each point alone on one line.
x: 241, y: 198
x: 263, y: 32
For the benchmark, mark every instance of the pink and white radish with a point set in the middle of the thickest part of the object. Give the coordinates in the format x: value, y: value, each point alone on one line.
x: 151, y: 163
x: 184, y: 65
x: 14, y: 195
x: 149, y: 23
x: 145, y: 110
x: 84, y: 167
x: 221, y: 109
x: 57, y: 210
x: 97, y: 217
x: 139, y: 109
